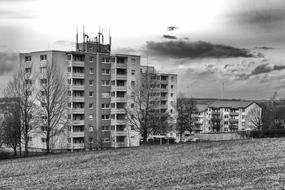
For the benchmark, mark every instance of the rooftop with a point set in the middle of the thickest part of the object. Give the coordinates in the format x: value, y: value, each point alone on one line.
x: 230, y: 104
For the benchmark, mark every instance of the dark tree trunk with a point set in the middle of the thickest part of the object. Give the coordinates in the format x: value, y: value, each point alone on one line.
x: 47, y: 141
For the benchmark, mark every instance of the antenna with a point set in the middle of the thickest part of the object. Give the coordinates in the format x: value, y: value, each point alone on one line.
x: 83, y: 38
x: 223, y: 89
x: 110, y: 39
x: 77, y: 48
x: 99, y: 40
x: 102, y: 36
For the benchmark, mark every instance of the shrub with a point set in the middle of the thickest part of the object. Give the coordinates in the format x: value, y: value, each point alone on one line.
x: 268, y: 133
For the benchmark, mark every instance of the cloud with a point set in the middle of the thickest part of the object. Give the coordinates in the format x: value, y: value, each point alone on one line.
x: 169, y: 36
x: 194, y: 50
x: 264, y: 14
x: 260, y: 69
x: 8, y: 62
x: 264, y: 48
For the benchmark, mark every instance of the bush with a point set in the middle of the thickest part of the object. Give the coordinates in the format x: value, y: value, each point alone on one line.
x: 268, y: 133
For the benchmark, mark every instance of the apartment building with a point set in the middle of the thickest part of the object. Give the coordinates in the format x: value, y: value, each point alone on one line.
x: 99, y: 90
x: 166, y: 91
x: 226, y: 116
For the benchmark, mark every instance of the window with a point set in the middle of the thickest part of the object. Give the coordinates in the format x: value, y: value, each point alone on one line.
x: 91, y: 82
x: 91, y: 93
x: 69, y: 116
x: 43, y: 81
x: 133, y: 83
x: 105, y: 117
x: 30, y: 138
x: 171, y: 94
x: 226, y: 123
x: 90, y: 105
x: 172, y: 79
x: 133, y: 72
x: 90, y: 140
x: 44, y: 128
x: 105, y: 128
x: 132, y: 105
x: 68, y: 57
x: 91, y: 71
x: 105, y: 95
x: 105, y: 71
x: 44, y: 140
x: 133, y: 60
x: 91, y: 116
x: 43, y: 57
x: 43, y: 93
x: 69, y: 140
x: 105, y: 83
x: 171, y: 86
x: 28, y: 58
x: 28, y: 70
x: 28, y: 93
x: 28, y: 81
x: 105, y: 106
x: 171, y: 111
x: 105, y: 59
x: 106, y: 140
x: 243, y: 116
x: 226, y: 116
x: 69, y: 69
x: 69, y: 93
x: 43, y: 69
x: 226, y: 109
x: 91, y: 59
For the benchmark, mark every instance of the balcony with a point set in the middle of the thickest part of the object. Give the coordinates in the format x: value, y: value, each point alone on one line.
x: 43, y: 63
x: 115, y: 111
x: 163, y: 90
x: 233, y: 127
x: 76, y: 99
x: 77, y: 134
x: 233, y: 120
x: 234, y: 113
x: 118, y: 122
x: 77, y: 122
x: 121, y: 77
x: 118, y: 99
x: 28, y: 64
x: 77, y: 110
x: 75, y: 63
x: 75, y: 146
x: 216, y: 113
x: 75, y: 75
x: 76, y: 87
x: 119, y: 133
x: 120, y: 144
x: 118, y: 88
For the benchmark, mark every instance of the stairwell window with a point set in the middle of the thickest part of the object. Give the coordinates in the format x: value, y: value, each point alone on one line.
x: 28, y: 58
x: 105, y: 83
x: 105, y: 117
x: 43, y: 57
x: 91, y: 71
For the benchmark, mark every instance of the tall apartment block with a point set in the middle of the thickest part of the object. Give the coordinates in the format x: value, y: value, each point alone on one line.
x: 166, y: 91
x: 99, y: 89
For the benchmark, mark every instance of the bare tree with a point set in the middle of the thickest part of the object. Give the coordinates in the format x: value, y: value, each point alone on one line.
x: 186, y: 110
x: 254, y: 118
x: 11, y: 127
x: 52, y: 95
x: 145, y: 98
x: 21, y: 87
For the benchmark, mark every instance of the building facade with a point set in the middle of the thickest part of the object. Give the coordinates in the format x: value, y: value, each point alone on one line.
x: 228, y: 116
x: 99, y: 90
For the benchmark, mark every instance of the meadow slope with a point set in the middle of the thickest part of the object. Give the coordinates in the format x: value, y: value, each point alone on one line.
x: 244, y: 164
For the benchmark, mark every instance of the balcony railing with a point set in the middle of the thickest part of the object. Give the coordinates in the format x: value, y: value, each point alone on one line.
x: 75, y: 75
x: 233, y: 120
x: 118, y: 88
x: 216, y: 113
x: 75, y: 145
x: 77, y: 110
x: 77, y: 122
x: 76, y: 87
x: 234, y: 113
x: 76, y: 99
x: 75, y: 63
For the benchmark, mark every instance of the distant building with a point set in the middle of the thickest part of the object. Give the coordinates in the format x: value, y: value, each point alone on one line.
x: 226, y: 116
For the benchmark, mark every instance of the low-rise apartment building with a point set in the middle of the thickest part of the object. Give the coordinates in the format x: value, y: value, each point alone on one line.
x: 227, y: 116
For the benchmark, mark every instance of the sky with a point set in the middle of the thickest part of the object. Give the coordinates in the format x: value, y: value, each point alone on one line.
x: 218, y: 48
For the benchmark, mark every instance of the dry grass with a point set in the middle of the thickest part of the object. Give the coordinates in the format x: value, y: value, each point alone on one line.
x: 248, y: 164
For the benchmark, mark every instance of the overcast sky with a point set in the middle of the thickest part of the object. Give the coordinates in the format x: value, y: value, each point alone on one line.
x: 239, y: 43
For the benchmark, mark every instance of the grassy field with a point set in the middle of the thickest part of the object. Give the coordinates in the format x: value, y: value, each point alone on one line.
x: 245, y: 164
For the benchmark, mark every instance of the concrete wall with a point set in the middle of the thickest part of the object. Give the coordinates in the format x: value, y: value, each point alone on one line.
x: 219, y: 136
